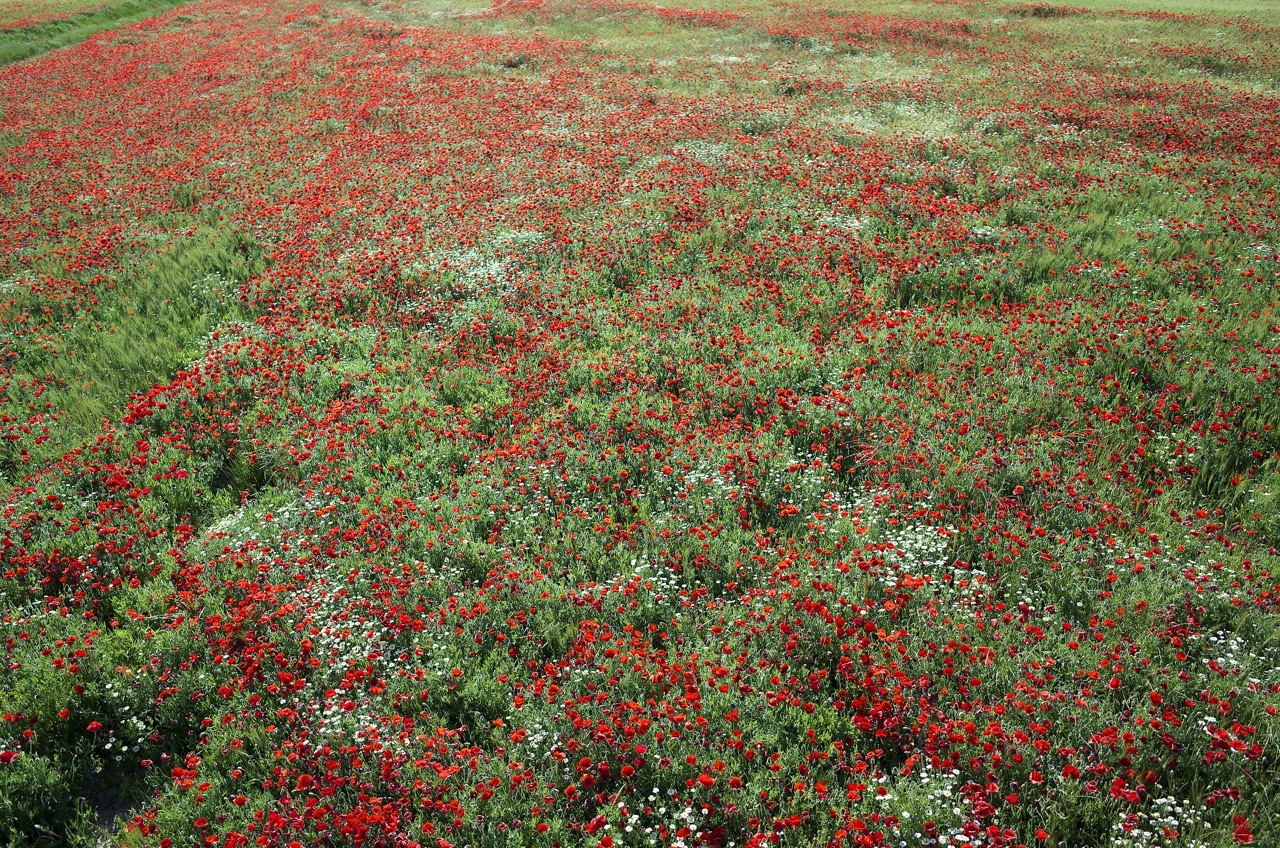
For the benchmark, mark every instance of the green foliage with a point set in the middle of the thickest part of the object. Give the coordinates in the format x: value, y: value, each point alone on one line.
x: 838, y: 466
x: 40, y: 806
x: 18, y: 43
x: 149, y: 321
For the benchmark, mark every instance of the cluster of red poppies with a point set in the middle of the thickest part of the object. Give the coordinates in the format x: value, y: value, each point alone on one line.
x: 865, y: 440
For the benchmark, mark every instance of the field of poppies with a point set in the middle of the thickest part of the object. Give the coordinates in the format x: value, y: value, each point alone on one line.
x: 639, y: 423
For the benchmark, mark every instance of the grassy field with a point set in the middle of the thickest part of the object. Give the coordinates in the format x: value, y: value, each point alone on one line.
x: 16, y: 11
x: 1262, y: 11
x: 612, y: 423
x: 1267, y: 11
x: 28, y: 31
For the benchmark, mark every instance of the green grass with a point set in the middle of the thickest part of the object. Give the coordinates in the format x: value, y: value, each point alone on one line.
x: 147, y: 325
x: 15, y: 11
x: 25, y: 42
x: 1266, y: 11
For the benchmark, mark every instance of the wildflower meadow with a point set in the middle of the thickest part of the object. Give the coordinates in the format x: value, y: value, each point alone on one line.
x: 654, y: 423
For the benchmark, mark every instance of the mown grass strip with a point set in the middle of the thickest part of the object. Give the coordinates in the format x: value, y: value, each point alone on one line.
x: 21, y: 43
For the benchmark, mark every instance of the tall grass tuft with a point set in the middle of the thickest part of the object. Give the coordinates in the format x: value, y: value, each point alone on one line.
x: 146, y: 326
